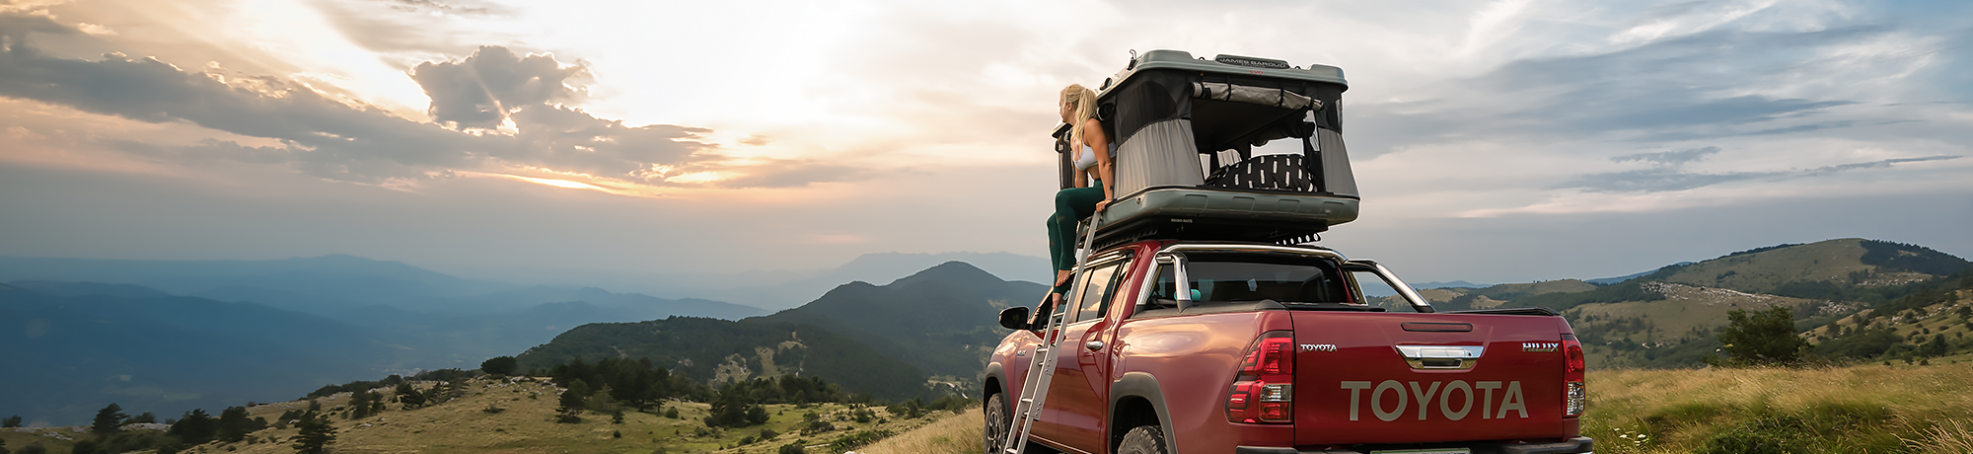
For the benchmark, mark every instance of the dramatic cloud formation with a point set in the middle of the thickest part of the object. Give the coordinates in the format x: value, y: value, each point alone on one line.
x: 482, y: 90
x: 689, y: 136
x: 506, y: 114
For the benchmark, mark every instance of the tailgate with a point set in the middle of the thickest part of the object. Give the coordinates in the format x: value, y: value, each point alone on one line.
x: 1368, y: 377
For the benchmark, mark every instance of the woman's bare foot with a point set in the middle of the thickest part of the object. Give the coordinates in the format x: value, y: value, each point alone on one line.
x: 1062, y: 277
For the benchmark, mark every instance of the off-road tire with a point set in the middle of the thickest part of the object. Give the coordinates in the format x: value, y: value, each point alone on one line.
x: 1143, y: 440
x: 998, y: 417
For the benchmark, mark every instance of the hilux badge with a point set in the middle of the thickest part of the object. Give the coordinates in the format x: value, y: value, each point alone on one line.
x: 1540, y: 346
x: 1318, y: 347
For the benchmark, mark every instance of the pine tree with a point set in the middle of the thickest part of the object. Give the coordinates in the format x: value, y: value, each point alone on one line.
x: 315, y: 436
x: 108, y: 420
x: 575, y: 397
x: 409, y: 396
x: 234, y: 425
x: 11, y: 421
x: 195, y: 428
x: 500, y: 365
x: 1764, y: 337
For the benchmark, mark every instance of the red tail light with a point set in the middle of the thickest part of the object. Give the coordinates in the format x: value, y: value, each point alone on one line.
x: 1574, y: 396
x: 1264, y: 392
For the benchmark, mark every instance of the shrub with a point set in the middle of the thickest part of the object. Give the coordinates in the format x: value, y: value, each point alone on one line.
x: 792, y: 448
x: 1762, y: 436
x: 858, y: 440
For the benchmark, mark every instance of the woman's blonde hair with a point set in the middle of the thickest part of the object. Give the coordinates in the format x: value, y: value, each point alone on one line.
x: 1084, y: 100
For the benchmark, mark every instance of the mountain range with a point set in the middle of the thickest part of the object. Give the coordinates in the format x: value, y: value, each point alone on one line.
x: 151, y: 334
x: 111, y: 338
x: 1670, y: 317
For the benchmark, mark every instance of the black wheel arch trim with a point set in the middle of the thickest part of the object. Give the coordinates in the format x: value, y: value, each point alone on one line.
x: 1144, y: 385
x: 996, y: 373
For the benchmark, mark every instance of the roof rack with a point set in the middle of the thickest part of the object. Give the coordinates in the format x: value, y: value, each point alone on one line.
x: 1176, y: 124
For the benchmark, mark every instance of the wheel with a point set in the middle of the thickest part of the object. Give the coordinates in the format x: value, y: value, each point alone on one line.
x: 997, y: 420
x: 1143, y: 440
x: 999, y: 417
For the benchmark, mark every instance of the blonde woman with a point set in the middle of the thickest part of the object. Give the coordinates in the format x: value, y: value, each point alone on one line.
x: 1092, y: 182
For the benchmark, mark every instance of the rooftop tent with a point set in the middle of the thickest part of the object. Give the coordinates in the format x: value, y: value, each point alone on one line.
x: 1171, y: 118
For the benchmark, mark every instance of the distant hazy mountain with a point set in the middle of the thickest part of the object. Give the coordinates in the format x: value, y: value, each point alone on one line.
x: 776, y: 292
x: 317, y: 285
x: 1453, y: 284
x: 68, y: 356
x: 337, y: 317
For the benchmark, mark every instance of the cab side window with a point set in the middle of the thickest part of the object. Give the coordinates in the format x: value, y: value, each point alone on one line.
x: 1093, y: 299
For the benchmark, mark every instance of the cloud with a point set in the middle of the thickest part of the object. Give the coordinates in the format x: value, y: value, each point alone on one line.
x: 1670, y: 157
x: 481, y: 90
x: 498, y: 112
x: 1671, y: 178
x: 1708, y: 84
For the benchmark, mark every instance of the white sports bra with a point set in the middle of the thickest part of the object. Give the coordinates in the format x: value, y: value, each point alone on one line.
x: 1086, y: 159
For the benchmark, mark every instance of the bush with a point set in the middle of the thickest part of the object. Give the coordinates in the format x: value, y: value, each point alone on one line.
x: 1762, y: 436
x: 792, y: 448
x: 858, y: 440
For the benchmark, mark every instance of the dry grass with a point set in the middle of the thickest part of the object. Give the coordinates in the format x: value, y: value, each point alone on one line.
x: 957, y: 434
x: 1838, y: 410
x: 1947, y: 437
x: 1861, y: 409
x: 527, y: 426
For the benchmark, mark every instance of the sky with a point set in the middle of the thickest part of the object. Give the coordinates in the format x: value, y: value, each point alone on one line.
x: 652, y: 142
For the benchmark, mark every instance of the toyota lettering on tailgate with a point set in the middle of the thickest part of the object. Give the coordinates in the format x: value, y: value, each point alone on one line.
x: 1423, y: 393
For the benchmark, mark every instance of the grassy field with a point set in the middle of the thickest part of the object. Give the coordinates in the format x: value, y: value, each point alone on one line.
x: 954, y: 434
x: 1856, y: 409
x: 526, y: 424
x: 1861, y: 409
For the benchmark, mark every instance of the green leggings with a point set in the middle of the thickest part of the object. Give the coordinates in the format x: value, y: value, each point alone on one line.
x: 1071, y: 206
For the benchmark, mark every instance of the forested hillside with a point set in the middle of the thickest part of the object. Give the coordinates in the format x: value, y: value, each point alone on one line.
x: 720, y: 351
x: 1857, y: 300
x: 924, y: 335
x: 942, y: 320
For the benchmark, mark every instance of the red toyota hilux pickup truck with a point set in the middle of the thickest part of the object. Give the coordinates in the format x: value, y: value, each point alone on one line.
x: 1256, y: 348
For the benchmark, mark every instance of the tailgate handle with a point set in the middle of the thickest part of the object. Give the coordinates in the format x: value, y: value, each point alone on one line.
x: 1438, y: 327
x: 1441, y: 356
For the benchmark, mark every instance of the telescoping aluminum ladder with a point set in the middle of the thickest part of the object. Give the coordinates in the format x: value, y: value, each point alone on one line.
x: 1041, y: 368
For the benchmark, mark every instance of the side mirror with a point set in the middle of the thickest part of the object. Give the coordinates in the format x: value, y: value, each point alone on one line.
x: 1014, y: 317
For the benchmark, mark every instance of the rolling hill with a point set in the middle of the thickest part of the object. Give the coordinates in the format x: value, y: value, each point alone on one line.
x: 1670, y: 317
x: 889, y: 340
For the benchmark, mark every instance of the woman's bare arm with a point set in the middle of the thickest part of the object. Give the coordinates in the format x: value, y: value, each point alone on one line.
x: 1092, y: 134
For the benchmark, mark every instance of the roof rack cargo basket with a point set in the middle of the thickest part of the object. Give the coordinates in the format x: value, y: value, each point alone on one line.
x: 1176, y: 123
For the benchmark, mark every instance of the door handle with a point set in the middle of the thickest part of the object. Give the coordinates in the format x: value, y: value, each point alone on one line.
x: 1093, y: 345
